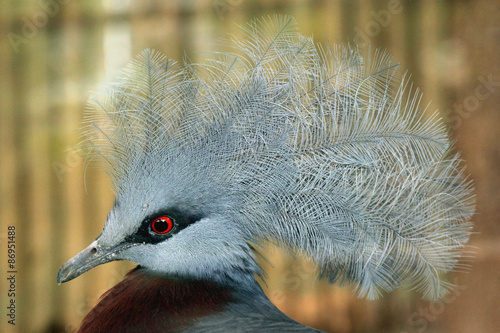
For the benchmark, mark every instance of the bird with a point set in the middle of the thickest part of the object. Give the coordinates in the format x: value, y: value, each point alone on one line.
x: 320, y: 149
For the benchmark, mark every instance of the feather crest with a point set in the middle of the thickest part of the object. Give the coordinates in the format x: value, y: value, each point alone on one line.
x: 314, y: 148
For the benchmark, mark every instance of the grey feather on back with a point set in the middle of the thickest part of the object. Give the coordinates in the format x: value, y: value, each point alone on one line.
x: 314, y: 148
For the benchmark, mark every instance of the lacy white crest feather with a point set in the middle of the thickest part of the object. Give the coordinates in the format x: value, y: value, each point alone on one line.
x: 314, y: 148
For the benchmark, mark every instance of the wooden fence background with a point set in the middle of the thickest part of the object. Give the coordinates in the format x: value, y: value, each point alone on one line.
x: 53, y: 52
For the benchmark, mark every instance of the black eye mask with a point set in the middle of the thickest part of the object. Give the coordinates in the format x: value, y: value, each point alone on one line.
x: 161, y: 225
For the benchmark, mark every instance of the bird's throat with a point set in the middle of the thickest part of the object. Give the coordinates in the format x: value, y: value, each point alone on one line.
x: 143, y: 302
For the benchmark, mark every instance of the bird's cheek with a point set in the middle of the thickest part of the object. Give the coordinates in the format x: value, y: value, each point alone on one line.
x: 140, y: 254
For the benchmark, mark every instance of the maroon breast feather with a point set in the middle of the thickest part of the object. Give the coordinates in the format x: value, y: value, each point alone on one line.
x: 145, y: 302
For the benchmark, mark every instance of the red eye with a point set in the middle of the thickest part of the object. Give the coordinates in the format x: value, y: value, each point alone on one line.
x: 162, y: 225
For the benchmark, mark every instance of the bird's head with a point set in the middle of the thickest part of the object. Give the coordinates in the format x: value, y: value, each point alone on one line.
x: 312, y: 149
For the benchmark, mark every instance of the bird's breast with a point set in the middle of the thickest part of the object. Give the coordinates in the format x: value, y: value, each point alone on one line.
x: 143, y: 302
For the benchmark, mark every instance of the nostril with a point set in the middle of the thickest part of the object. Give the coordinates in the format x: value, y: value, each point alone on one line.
x: 93, y: 251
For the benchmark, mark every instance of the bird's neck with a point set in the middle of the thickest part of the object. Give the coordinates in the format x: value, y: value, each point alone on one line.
x: 144, y: 302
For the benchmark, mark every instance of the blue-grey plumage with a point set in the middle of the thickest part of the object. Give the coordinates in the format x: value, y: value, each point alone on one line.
x: 314, y: 149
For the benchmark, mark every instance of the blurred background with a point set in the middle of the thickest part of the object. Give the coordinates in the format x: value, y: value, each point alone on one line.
x: 53, y: 52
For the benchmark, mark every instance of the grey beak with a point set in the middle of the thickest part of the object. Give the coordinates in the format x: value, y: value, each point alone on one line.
x: 94, y: 255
